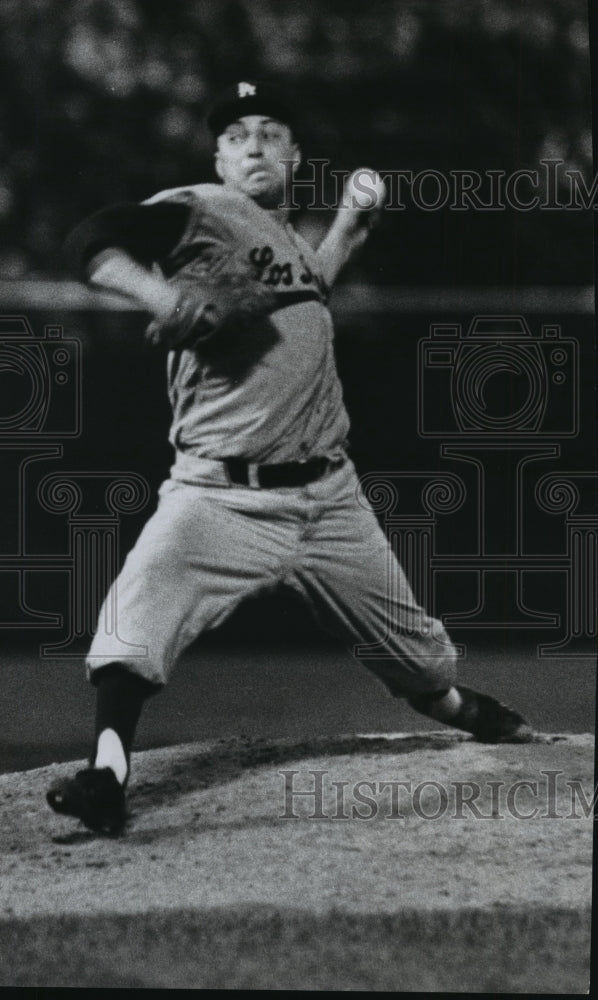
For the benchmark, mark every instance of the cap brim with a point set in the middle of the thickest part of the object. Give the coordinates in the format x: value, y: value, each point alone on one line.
x: 226, y: 112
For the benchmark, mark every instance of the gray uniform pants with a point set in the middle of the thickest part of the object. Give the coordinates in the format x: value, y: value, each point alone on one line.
x: 210, y: 544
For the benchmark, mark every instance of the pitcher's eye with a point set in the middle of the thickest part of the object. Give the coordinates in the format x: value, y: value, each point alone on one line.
x: 235, y: 134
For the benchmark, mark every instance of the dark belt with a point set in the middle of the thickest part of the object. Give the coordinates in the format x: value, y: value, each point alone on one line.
x: 244, y: 473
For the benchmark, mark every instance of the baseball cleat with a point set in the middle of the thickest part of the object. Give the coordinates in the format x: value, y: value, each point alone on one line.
x: 94, y: 796
x: 489, y: 721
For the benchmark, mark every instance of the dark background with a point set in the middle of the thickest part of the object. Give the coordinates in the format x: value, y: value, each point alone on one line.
x: 103, y: 101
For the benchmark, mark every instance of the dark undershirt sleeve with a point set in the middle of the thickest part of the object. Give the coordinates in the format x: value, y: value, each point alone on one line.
x: 147, y: 232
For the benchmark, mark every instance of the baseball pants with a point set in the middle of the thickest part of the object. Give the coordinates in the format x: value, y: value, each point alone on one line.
x: 209, y: 545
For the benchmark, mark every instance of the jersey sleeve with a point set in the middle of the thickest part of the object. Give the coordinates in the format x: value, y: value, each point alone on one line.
x: 148, y: 232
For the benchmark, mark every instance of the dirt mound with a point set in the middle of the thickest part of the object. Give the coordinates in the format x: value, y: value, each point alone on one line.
x: 372, y: 826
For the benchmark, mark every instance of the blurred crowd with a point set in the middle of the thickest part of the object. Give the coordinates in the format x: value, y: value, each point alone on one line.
x: 103, y: 101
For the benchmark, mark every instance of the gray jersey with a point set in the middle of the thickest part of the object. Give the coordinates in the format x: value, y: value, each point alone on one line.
x: 273, y: 395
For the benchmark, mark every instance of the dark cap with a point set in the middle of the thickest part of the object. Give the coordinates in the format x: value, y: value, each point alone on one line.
x: 248, y: 98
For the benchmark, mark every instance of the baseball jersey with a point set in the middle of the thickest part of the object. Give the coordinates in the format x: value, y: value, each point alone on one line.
x: 271, y: 393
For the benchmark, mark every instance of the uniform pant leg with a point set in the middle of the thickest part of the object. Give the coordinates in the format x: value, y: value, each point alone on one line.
x: 358, y: 590
x: 199, y: 555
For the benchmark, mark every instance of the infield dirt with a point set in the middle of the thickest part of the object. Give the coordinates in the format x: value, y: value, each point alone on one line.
x: 226, y: 878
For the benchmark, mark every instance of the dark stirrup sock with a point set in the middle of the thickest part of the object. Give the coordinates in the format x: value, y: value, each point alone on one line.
x: 425, y: 702
x: 119, y: 700
x: 479, y: 714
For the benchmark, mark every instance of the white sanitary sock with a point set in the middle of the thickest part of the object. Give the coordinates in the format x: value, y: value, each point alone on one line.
x: 110, y: 754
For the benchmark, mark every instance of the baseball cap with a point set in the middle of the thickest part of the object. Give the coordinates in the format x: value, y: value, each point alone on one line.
x: 248, y: 97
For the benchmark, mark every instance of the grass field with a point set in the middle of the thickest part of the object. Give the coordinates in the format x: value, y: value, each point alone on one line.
x: 543, y: 950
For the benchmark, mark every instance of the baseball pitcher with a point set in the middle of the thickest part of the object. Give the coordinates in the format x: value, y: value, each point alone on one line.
x: 262, y: 491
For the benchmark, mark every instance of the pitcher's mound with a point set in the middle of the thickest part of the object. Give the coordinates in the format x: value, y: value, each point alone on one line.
x: 421, y: 862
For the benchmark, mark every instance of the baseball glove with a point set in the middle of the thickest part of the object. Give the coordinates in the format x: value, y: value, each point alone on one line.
x: 209, y: 306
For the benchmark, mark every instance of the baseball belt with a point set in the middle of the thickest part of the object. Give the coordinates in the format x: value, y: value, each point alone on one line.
x: 275, y: 475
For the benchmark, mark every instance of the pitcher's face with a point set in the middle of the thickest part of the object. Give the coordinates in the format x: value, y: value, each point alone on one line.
x: 252, y: 157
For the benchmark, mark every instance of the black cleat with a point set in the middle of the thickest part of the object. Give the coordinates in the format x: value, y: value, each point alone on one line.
x: 94, y: 796
x: 489, y: 721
